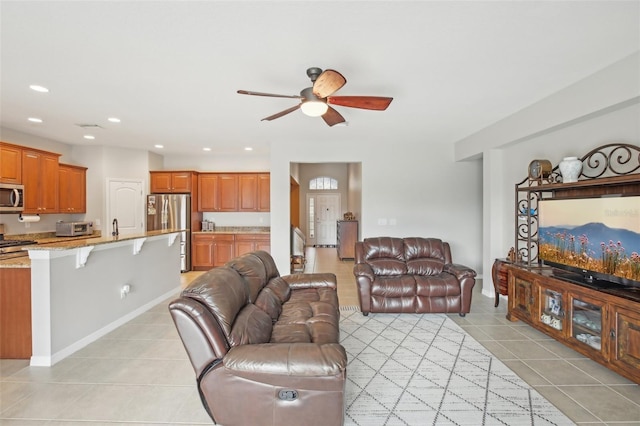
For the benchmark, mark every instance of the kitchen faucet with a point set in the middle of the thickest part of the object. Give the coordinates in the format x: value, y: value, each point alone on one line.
x: 114, y: 226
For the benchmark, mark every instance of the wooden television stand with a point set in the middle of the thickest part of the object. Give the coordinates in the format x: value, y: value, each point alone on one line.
x: 599, y: 321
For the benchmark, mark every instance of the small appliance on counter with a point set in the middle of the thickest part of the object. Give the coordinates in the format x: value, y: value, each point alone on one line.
x: 73, y: 229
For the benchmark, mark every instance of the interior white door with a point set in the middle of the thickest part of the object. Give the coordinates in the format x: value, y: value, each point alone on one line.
x: 327, y: 214
x: 125, y: 203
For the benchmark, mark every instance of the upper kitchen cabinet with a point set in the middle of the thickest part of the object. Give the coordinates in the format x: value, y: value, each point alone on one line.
x: 254, y: 192
x: 72, y: 189
x: 10, y: 163
x: 40, y: 180
x: 218, y: 192
x: 173, y: 182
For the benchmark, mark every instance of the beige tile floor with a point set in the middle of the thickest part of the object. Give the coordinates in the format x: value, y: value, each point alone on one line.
x: 139, y: 374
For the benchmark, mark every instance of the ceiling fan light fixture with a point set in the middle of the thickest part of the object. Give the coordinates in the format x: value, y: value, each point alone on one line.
x: 314, y: 108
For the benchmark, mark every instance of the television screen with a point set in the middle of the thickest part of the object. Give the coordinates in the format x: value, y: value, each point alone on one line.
x: 597, y: 237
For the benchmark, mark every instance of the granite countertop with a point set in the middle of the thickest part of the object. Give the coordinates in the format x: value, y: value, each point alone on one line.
x: 84, y: 242
x: 238, y: 230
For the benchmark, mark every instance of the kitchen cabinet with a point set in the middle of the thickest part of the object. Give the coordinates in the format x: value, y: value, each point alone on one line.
x: 218, y: 192
x: 162, y: 182
x: 15, y: 313
x: 254, y: 192
x: 10, y: 163
x: 40, y: 180
x: 72, y: 189
x: 347, y: 235
x: 246, y: 243
x: 211, y: 250
x: 602, y: 326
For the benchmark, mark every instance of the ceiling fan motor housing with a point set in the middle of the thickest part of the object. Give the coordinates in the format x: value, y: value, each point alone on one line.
x: 313, y: 73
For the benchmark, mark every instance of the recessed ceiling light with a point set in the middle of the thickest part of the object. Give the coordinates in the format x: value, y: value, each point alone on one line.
x: 159, y: 146
x: 248, y: 148
x: 206, y: 149
x: 89, y: 137
x: 37, y: 88
x: 113, y: 119
x: 35, y: 120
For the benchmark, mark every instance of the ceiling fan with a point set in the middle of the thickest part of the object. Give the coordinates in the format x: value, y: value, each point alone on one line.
x: 315, y: 100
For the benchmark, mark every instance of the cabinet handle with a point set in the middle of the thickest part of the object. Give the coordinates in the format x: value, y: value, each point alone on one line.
x: 612, y: 333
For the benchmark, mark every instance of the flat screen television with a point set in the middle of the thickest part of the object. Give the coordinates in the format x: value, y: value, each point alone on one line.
x: 598, y: 238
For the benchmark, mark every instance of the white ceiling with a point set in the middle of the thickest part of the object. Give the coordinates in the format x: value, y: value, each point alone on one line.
x: 170, y: 70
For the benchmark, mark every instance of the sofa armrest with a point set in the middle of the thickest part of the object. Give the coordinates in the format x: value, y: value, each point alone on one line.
x: 317, y: 280
x: 460, y: 271
x: 287, y: 359
x: 363, y: 270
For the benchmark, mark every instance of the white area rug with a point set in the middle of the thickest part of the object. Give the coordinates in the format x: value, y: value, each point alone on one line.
x: 410, y: 369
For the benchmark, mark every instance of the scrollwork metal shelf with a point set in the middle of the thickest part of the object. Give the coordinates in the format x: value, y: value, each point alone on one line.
x: 606, y: 167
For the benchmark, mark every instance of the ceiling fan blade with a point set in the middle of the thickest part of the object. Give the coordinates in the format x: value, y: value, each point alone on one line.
x: 281, y: 113
x: 271, y: 95
x: 332, y: 117
x: 377, y: 103
x: 327, y: 83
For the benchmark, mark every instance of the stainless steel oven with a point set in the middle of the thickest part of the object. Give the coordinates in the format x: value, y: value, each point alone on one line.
x: 11, y: 198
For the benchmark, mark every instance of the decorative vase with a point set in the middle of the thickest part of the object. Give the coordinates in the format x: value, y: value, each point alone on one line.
x: 570, y: 167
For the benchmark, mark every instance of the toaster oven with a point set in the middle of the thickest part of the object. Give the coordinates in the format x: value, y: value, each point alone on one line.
x: 73, y: 229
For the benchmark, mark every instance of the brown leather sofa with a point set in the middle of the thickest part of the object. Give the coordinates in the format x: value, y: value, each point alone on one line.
x: 411, y: 275
x: 265, y: 349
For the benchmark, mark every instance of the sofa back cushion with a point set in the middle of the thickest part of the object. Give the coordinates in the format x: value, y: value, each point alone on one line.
x: 269, y: 263
x: 253, y: 271
x: 424, y: 256
x: 385, y: 255
x: 252, y: 325
x: 223, y: 291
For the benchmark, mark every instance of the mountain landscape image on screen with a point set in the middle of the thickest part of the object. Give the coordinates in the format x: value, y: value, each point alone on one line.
x: 593, y: 247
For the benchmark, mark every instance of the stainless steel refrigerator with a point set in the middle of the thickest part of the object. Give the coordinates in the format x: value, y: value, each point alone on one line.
x: 172, y: 211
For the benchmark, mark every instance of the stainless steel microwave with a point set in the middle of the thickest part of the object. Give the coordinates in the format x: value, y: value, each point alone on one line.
x: 11, y: 198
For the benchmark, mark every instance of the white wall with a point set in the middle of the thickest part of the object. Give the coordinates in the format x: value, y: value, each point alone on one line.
x: 602, y: 108
x: 413, y: 181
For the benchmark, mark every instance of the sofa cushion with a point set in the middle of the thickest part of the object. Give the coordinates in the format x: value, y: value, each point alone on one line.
x: 396, y: 286
x: 280, y: 288
x: 252, y: 270
x: 424, y: 256
x: 252, y: 325
x: 270, y: 303
x: 268, y: 262
x: 437, y: 286
x: 223, y: 291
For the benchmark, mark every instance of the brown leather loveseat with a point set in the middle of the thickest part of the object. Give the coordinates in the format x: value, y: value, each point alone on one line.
x: 265, y: 349
x: 411, y: 275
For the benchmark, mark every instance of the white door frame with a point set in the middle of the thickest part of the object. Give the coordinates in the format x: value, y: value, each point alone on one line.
x: 331, y: 222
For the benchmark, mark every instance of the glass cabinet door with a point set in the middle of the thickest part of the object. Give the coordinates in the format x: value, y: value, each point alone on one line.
x: 552, y: 309
x: 587, y: 322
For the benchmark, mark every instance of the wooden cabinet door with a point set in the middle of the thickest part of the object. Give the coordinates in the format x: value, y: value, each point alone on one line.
x: 246, y: 243
x: 10, y: 164
x: 264, y: 244
x: 49, y: 184
x: 521, y: 297
x: 181, y: 182
x: 244, y: 246
x: 248, y: 192
x: 40, y: 180
x: 625, y: 351
x: 202, y: 252
x: 160, y: 182
x: 227, y: 194
x: 264, y: 192
x: 347, y: 233
x: 207, y: 191
x: 223, y: 249
x: 72, y: 189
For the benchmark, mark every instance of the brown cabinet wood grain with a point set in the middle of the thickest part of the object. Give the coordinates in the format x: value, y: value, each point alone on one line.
x: 40, y: 180
x: 347, y: 235
x: 10, y: 163
x: 217, y: 192
x: 599, y: 325
x: 172, y: 182
x: 15, y: 313
x: 246, y: 243
x: 72, y: 189
x: 211, y: 250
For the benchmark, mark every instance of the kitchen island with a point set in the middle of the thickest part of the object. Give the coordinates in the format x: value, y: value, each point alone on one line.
x: 83, y: 289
